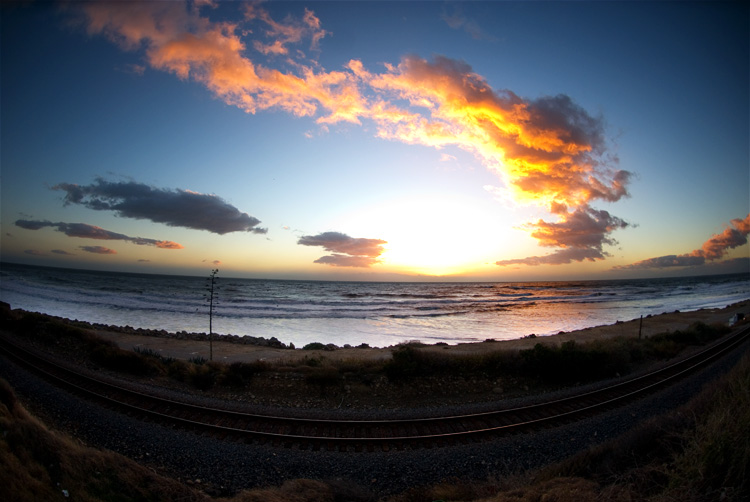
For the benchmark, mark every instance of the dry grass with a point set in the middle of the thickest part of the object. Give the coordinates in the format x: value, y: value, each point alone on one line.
x: 699, y: 453
x: 541, y: 367
x: 39, y: 464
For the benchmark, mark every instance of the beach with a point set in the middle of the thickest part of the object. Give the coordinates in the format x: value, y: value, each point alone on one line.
x: 353, y: 313
x: 229, y: 352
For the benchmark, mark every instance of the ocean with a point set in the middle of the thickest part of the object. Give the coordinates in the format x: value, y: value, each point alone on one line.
x: 379, y: 314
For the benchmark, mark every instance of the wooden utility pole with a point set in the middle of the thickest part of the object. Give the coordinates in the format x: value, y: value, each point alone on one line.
x: 640, y: 327
x: 213, y: 290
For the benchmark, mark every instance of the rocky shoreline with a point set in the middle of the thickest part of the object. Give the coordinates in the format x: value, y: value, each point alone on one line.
x: 231, y: 348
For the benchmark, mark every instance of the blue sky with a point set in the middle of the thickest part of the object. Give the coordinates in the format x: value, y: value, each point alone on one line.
x: 377, y: 140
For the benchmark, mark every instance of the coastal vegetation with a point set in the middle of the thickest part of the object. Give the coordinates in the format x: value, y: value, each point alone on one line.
x: 539, y: 368
x: 699, y: 452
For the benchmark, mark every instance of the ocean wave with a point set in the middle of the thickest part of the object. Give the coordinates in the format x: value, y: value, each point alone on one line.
x: 362, y: 312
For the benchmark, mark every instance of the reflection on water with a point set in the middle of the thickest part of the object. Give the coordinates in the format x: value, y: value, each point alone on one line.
x: 379, y: 314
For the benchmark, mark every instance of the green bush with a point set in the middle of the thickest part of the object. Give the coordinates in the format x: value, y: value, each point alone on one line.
x: 199, y: 360
x: 124, y: 361
x: 571, y: 363
x: 155, y: 354
x: 324, y: 377
x: 179, y: 370
x: 239, y: 374
x: 314, y: 346
x: 313, y: 362
x: 662, y: 347
x: 47, y: 329
x: 204, y: 376
x: 668, y: 345
x: 407, y: 362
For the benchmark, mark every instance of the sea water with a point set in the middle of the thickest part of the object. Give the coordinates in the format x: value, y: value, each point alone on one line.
x: 376, y: 313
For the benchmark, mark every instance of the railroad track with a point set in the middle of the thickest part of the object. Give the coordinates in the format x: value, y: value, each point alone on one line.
x: 362, y: 435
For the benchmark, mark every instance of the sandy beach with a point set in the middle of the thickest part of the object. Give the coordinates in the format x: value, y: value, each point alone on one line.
x: 230, y: 352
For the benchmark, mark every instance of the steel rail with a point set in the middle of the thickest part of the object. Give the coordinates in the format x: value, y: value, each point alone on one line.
x: 345, y: 433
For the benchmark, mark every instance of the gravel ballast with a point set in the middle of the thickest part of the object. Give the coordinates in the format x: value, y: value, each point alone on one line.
x: 225, y: 468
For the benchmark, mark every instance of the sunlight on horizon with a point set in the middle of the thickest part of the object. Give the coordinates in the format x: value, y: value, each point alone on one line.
x: 468, y: 236
x: 368, y: 141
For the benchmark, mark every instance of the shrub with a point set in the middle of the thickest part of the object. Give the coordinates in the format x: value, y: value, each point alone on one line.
x: 495, y: 364
x: 179, y: 370
x: 313, y: 362
x: 116, y: 359
x: 571, y: 363
x: 239, y: 374
x: 204, y: 376
x: 662, y: 347
x: 153, y: 353
x: 668, y: 345
x: 199, y: 360
x: 406, y: 362
x: 49, y: 330
x: 324, y: 377
x: 314, y: 346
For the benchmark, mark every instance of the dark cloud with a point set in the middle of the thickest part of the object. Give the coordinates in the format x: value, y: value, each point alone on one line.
x: 580, y: 235
x: 98, y: 250
x: 34, y: 252
x: 347, y: 251
x: 685, y: 260
x: 713, y: 249
x: 62, y: 252
x: 342, y: 260
x: 559, y: 257
x: 583, y: 228
x: 33, y: 225
x: 87, y: 231
x: 731, y: 266
x: 176, y: 208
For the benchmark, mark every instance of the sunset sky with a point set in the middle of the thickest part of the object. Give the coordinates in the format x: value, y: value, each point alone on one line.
x: 377, y: 140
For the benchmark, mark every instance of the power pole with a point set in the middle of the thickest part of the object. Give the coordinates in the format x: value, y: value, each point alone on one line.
x: 213, y: 291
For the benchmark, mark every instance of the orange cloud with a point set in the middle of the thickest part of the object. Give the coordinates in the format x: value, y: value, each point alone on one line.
x: 548, y: 152
x: 718, y: 245
x: 179, y: 40
x: 168, y: 245
x: 713, y: 249
x: 283, y: 34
